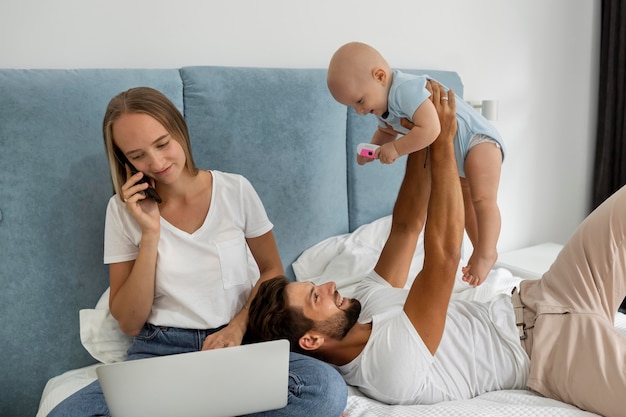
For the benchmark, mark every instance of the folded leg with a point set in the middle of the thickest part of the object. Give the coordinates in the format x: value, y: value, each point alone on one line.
x: 577, y: 356
x: 589, y: 274
x: 583, y: 362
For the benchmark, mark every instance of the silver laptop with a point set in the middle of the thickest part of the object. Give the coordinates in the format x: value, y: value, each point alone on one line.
x: 213, y: 383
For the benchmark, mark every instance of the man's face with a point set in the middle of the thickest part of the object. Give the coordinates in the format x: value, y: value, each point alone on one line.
x: 333, y: 314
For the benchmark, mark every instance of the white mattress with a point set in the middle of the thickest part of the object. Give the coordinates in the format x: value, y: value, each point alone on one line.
x: 518, y: 403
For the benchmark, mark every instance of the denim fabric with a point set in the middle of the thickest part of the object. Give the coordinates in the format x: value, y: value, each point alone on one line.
x: 315, y: 388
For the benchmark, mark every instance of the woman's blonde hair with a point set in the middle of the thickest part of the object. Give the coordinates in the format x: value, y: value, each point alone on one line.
x: 148, y: 101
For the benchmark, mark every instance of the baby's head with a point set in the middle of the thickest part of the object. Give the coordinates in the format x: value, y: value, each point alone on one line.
x: 359, y: 77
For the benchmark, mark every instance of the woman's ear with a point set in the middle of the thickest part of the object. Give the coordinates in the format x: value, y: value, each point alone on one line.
x: 311, y: 341
x: 380, y: 75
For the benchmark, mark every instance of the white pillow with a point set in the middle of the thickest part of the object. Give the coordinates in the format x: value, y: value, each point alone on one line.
x: 314, y: 260
x: 100, y: 333
x: 347, y: 259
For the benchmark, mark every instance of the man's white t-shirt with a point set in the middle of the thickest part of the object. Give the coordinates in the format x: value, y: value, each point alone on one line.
x: 480, y: 350
x: 203, y: 278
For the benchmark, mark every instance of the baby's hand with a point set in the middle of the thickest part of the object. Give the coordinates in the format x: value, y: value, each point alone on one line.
x: 387, y: 153
x: 362, y: 160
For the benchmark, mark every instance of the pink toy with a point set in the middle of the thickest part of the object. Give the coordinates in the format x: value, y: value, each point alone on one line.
x: 367, y: 150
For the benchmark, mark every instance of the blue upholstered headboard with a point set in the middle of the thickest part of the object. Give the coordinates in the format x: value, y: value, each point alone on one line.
x: 278, y: 127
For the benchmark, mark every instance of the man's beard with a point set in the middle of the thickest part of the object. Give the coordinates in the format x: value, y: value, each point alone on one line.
x: 338, y: 326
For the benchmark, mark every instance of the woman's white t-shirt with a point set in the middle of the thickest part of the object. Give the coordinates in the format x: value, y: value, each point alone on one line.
x: 480, y: 350
x: 203, y: 278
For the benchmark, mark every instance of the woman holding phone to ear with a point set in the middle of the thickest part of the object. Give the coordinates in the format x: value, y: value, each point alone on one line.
x: 160, y: 293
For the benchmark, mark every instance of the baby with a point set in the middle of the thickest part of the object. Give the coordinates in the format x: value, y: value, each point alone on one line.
x: 359, y: 77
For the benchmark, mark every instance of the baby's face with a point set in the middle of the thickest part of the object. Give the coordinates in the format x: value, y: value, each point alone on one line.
x: 366, y: 96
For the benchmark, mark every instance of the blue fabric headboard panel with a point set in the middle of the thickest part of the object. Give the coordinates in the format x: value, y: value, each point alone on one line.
x: 54, y: 186
x: 373, y: 187
x: 282, y: 130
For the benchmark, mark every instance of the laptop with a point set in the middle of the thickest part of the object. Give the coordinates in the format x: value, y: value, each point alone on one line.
x: 214, y: 383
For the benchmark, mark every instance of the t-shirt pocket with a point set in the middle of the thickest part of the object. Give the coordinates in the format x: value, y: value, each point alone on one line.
x: 233, y: 261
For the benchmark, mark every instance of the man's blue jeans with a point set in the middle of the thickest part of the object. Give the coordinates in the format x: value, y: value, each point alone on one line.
x: 315, y: 388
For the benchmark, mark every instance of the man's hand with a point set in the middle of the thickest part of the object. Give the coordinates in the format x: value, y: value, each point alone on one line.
x: 437, y: 95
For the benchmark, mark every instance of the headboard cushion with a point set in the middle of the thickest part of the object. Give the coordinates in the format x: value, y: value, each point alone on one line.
x: 282, y: 130
x: 54, y: 187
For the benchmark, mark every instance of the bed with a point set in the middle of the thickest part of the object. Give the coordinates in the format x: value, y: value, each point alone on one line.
x: 344, y: 258
x: 55, y: 185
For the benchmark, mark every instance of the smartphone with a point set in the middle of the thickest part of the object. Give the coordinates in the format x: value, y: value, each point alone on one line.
x: 150, y: 191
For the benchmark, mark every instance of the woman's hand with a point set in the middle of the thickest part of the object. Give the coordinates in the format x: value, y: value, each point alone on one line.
x: 144, y: 210
x: 231, y: 335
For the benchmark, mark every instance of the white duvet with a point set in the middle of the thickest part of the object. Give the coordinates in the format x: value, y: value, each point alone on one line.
x: 345, y: 259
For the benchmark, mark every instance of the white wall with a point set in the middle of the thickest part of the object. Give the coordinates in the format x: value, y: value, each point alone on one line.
x: 538, y: 58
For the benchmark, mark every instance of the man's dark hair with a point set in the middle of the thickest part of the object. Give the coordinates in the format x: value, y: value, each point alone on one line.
x: 271, y: 317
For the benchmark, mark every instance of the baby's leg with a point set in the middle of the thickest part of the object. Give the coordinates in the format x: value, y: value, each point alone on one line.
x: 482, y: 172
x: 470, y: 215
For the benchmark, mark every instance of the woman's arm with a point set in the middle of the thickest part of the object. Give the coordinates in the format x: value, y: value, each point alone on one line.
x: 132, y: 283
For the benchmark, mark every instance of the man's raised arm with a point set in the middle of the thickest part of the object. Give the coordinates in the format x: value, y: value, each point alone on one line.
x: 429, y: 296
